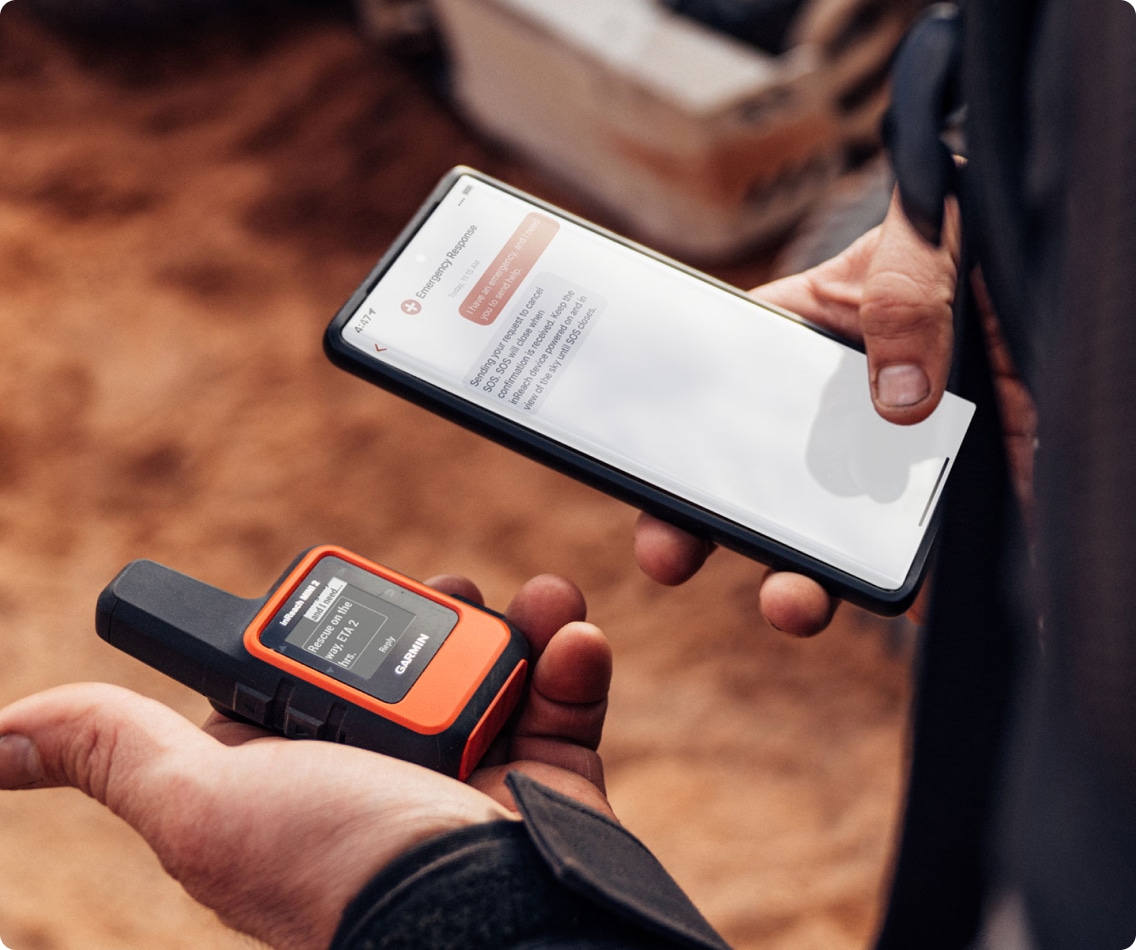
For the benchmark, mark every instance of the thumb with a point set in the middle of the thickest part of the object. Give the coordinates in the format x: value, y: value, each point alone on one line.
x: 97, y: 738
x: 147, y: 764
x: 906, y: 316
x: 175, y: 785
x: 307, y: 823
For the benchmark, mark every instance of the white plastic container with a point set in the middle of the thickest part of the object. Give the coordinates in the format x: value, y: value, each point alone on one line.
x: 699, y: 144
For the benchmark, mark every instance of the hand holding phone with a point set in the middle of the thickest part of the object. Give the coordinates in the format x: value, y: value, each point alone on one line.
x: 729, y: 418
x: 908, y: 287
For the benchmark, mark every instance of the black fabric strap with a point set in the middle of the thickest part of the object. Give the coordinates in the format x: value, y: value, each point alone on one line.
x: 600, y: 861
x: 565, y: 878
x: 924, y: 94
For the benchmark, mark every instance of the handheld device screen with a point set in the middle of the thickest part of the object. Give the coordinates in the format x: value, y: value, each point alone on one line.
x: 359, y: 628
x: 661, y: 374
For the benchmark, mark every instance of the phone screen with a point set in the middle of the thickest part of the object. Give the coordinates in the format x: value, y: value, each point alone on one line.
x: 661, y: 374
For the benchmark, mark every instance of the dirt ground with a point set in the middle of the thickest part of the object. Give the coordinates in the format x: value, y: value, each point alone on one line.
x: 178, y: 222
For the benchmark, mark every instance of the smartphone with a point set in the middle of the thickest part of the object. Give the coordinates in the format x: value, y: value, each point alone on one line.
x: 670, y: 390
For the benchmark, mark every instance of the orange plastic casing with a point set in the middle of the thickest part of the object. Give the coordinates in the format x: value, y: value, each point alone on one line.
x: 447, y: 683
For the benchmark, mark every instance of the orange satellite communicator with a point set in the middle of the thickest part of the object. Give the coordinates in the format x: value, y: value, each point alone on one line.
x: 340, y: 649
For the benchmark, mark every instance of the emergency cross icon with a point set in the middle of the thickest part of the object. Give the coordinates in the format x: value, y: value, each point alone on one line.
x: 411, y: 306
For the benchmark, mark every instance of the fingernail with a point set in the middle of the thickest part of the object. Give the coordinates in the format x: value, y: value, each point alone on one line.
x: 901, y: 385
x: 19, y: 762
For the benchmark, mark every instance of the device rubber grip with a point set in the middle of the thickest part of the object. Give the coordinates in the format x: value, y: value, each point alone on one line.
x: 178, y: 625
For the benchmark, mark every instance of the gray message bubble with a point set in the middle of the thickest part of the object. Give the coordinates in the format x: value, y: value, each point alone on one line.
x: 537, y: 338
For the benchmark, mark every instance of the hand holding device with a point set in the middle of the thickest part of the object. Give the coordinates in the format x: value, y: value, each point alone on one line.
x: 236, y: 813
x: 340, y: 649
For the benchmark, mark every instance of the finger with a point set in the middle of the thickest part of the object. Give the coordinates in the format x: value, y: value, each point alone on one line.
x: 587, y: 789
x: 568, y: 692
x: 103, y: 740
x: 569, y: 757
x: 829, y: 294
x: 542, y: 606
x: 668, y: 554
x: 906, y: 316
x: 795, y: 604
x: 562, y: 719
x: 232, y: 825
x: 456, y: 586
x: 917, y: 613
x: 576, y: 665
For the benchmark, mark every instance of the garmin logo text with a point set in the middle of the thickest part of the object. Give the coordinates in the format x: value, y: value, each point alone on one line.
x: 411, y: 654
x: 308, y: 591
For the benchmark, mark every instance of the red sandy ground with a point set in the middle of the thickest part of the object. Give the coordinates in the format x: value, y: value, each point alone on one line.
x: 177, y: 225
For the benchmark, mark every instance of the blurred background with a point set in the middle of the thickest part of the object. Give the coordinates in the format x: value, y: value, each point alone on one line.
x: 188, y: 193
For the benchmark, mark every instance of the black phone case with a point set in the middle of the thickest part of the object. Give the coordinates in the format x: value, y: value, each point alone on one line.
x: 634, y: 491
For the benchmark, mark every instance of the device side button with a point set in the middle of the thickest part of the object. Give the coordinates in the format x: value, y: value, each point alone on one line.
x: 298, y: 725
x: 248, y: 703
x: 334, y: 731
x: 492, y: 720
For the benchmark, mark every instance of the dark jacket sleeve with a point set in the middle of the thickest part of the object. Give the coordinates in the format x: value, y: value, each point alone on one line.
x: 562, y: 878
x: 1021, y: 809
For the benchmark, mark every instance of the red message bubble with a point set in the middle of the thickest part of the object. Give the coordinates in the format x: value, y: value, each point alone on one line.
x: 508, y: 269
